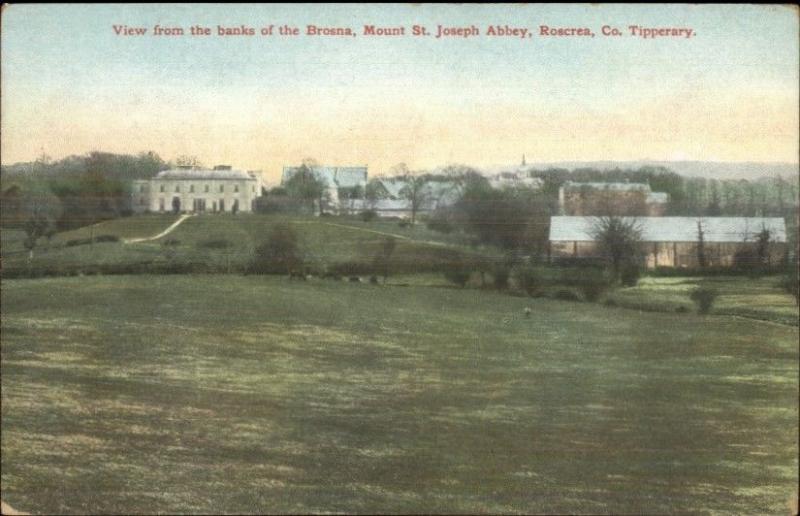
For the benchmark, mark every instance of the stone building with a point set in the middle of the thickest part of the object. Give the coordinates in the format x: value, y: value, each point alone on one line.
x: 674, y: 241
x: 197, y: 190
x: 633, y: 199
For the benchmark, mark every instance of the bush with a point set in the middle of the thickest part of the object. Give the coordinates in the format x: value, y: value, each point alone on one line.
x: 526, y: 280
x: 280, y: 254
x: 500, y: 275
x: 170, y: 242
x: 592, y: 290
x: 704, y: 298
x: 87, y: 241
x: 368, y: 215
x: 458, y: 274
x: 215, y: 243
x: 629, y: 276
x: 791, y: 284
x: 404, y: 223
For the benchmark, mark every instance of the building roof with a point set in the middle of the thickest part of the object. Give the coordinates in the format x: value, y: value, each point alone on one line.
x: 658, y: 197
x: 340, y: 177
x: 675, y: 229
x: 571, y: 185
x: 202, y: 173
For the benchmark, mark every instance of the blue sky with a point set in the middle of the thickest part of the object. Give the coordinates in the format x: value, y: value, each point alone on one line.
x: 730, y: 93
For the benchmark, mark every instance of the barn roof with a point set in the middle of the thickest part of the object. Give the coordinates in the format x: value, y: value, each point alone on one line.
x: 675, y: 229
x: 571, y: 185
x: 342, y: 177
x: 201, y: 173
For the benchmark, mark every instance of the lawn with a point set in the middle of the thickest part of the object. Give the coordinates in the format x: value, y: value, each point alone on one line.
x: 757, y: 298
x: 144, y: 394
x: 324, y: 242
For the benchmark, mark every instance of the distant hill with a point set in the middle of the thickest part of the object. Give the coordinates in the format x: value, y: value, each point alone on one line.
x: 708, y: 169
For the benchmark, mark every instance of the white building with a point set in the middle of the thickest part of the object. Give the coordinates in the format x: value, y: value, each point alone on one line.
x: 340, y: 181
x: 197, y: 190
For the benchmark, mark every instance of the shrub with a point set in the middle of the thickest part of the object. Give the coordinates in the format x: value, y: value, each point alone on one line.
x: 526, y: 279
x: 681, y: 309
x: 280, y: 254
x: 170, y: 242
x: 791, y: 284
x: 368, y: 215
x: 630, y: 274
x: 704, y: 298
x: 500, y: 275
x: 610, y: 302
x: 87, y: 241
x: 404, y: 223
x: 457, y: 273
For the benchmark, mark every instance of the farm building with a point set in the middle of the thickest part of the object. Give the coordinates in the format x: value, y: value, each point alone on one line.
x: 674, y: 241
x: 632, y: 199
x: 194, y: 189
x: 340, y: 181
x: 392, y: 202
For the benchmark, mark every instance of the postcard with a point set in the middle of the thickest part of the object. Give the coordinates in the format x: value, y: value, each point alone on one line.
x: 399, y: 259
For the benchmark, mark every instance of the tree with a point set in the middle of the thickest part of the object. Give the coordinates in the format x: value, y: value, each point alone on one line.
x: 702, y: 260
x: 416, y: 193
x: 306, y: 186
x: 280, y: 253
x: 383, y: 258
x: 184, y: 160
x: 618, y: 240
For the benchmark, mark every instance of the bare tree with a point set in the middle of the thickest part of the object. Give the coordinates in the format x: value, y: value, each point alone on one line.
x: 416, y: 193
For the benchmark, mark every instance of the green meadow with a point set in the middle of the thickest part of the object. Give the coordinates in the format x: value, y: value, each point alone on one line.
x: 244, y: 394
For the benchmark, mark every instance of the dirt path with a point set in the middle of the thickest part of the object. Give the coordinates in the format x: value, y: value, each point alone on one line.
x: 162, y: 234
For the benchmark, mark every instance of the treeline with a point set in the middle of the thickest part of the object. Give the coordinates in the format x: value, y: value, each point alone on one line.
x: 74, y: 191
x: 693, y: 196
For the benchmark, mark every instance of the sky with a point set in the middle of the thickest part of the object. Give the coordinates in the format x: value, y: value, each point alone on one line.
x: 70, y: 85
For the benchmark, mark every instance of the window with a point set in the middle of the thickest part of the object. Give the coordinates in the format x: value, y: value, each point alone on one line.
x: 161, y: 204
x: 177, y: 188
x: 141, y: 188
x: 206, y: 188
x: 221, y: 188
x: 254, y: 189
x: 161, y: 188
x: 191, y: 188
x: 236, y: 188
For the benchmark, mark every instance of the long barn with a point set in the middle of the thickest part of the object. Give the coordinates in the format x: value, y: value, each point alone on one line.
x: 674, y: 241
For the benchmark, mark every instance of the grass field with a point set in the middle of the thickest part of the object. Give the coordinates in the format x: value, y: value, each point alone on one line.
x: 144, y: 394
x: 324, y: 242
x: 757, y: 298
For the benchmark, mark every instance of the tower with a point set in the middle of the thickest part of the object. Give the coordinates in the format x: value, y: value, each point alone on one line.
x: 523, y: 160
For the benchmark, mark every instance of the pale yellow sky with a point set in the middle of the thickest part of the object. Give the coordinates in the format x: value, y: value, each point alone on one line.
x: 730, y: 94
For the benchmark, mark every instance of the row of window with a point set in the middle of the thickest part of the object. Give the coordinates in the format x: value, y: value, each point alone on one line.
x: 207, y: 188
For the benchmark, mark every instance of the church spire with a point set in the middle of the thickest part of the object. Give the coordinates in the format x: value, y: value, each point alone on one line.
x: 523, y: 160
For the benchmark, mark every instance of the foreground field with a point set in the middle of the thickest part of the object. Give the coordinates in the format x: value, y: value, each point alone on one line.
x: 176, y: 394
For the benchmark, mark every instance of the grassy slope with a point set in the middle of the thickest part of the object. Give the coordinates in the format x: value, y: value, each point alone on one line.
x: 759, y: 298
x: 206, y: 393
x: 325, y: 241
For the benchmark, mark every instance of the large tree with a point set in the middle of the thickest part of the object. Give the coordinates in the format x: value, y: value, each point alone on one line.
x: 618, y: 240
x: 306, y: 186
x: 416, y: 193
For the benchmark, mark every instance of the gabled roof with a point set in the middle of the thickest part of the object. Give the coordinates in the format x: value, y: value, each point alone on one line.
x: 675, y: 229
x: 620, y: 187
x: 341, y: 177
x: 202, y: 173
